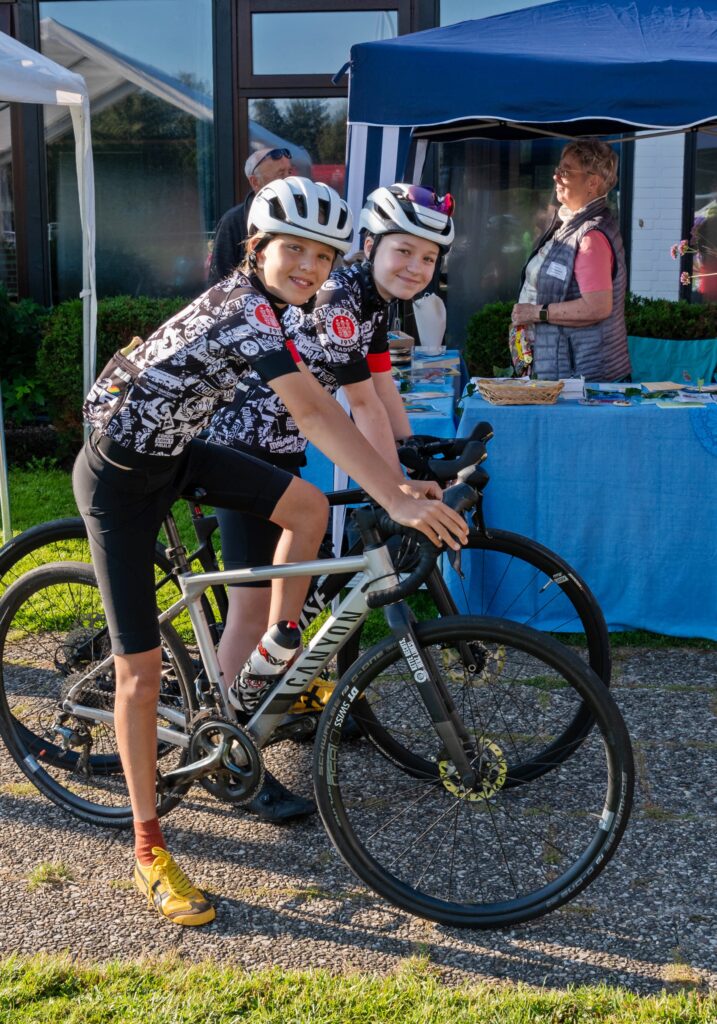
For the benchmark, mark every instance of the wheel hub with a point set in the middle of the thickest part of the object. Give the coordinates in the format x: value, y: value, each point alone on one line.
x: 491, y: 775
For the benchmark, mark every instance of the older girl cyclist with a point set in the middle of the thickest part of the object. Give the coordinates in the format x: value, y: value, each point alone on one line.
x: 344, y: 343
x: 147, y: 409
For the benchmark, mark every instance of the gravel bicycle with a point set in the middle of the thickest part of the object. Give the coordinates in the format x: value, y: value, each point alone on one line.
x: 513, y: 567
x: 456, y: 805
x: 519, y: 578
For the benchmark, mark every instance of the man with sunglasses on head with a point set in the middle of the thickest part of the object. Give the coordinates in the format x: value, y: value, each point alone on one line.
x: 263, y: 166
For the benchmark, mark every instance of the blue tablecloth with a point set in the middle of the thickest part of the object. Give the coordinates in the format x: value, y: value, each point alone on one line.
x: 438, y: 419
x: 628, y: 496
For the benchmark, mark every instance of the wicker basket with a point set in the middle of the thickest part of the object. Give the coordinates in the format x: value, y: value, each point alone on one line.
x: 503, y: 392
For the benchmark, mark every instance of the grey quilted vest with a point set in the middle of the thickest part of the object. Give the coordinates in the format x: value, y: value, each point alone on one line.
x: 599, y: 352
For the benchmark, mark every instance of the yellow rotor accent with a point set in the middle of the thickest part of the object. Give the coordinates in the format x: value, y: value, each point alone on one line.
x: 492, y: 776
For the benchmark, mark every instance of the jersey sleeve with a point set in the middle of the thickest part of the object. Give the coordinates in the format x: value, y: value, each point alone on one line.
x: 340, y: 332
x: 594, y: 262
x: 256, y: 337
x: 378, y: 356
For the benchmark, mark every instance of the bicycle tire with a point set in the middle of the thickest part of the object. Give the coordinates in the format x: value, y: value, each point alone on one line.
x: 516, y: 567
x: 52, y: 626
x: 54, y: 541
x: 495, y: 854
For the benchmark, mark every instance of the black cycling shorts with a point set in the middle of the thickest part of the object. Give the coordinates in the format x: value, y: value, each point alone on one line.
x: 123, y: 509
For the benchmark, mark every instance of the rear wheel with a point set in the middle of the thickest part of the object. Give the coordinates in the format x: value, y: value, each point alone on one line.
x: 511, y: 846
x: 53, y: 634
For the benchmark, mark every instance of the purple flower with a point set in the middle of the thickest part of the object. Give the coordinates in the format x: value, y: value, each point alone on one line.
x: 683, y: 247
x: 685, y: 277
x: 673, y: 251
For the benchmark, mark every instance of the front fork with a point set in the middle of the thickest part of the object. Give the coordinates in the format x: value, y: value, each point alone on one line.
x: 458, y: 745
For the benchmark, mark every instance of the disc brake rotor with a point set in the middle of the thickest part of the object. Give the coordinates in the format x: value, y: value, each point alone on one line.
x: 491, y: 778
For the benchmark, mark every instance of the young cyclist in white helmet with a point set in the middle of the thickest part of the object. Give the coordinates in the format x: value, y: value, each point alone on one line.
x: 344, y: 343
x: 147, y: 408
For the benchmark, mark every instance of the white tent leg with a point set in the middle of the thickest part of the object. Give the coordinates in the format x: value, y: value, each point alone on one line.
x: 4, y: 492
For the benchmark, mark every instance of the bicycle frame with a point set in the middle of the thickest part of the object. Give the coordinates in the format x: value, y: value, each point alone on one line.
x: 377, y: 565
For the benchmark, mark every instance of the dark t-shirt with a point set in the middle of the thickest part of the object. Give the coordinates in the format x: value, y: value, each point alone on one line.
x: 231, y: 234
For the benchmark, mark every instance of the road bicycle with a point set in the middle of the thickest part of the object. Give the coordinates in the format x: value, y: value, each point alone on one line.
x: 457, y: 804
x: 512, y: 568
x: 518, y: 578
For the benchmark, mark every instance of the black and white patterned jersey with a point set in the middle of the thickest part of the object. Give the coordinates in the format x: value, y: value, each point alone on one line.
x: 342, y: 341
x: 155, y: 396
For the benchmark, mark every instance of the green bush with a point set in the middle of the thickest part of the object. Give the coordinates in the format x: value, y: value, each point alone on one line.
x: 486, y: 347
x: 59, y: 361
x: 660, y: 318
x: 21, y: 327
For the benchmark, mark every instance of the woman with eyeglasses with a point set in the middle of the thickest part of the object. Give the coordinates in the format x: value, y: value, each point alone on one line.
x: 343, y: 342
x: 147, y: 409
x: 570, y: 316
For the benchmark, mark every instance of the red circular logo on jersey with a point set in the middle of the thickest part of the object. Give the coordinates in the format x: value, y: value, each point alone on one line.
x: 265, y: 315
x: 343, y: 327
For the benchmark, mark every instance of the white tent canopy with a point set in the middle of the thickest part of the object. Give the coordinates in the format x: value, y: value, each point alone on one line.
x: 26, y: 76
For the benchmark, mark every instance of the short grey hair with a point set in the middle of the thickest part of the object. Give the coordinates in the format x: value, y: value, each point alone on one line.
x: 595, y: 157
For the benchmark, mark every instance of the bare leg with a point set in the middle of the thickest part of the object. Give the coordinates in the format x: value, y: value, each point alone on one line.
x: 247, y: 621
x: 302, y: 512
x: 138, y: 680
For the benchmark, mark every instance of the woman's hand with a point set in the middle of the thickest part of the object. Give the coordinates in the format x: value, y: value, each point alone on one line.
x: 525, y: 313
x: 422, y: 489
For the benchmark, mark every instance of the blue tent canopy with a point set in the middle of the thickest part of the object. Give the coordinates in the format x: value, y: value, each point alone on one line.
x: 575, y: 67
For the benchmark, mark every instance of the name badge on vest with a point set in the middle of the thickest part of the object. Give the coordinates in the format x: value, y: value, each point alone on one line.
x: 557, y: 270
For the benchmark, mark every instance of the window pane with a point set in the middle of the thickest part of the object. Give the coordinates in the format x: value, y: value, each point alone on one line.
x: 313, y: 43
x: 8, y: 260
x: 313, y: 130
x: 704, y: 231
x: 463, y: 10
x: 148, y: 66
x: 502, y: 192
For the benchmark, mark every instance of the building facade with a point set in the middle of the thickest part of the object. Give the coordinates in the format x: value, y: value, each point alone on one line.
x: 182, y: 90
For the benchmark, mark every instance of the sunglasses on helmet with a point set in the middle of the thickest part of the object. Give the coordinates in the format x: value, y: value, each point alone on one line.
x: 425, y: 196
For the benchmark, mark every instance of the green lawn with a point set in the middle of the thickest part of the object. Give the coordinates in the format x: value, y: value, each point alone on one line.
x: 48, y: 990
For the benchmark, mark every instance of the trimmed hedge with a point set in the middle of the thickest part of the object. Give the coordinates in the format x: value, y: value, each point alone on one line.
x: 21, y: 327
x: 486, y: 347
x: 59, y: 362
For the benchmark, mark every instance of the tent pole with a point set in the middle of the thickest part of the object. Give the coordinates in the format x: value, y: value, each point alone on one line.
x: 4, y: 492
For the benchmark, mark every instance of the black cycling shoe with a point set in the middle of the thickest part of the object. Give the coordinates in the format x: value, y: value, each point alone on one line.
x: 275, y: 803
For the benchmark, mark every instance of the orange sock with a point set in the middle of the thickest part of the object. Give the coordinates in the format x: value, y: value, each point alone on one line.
x: 146, y: 835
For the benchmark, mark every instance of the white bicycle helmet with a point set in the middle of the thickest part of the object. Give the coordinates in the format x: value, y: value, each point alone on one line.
x: 411, y: 210
x: 298, y: 206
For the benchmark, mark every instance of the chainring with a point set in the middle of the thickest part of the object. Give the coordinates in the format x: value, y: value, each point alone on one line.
x: 237, y: 784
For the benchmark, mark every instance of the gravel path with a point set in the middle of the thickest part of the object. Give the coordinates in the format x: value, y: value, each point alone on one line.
x: 286, y: 899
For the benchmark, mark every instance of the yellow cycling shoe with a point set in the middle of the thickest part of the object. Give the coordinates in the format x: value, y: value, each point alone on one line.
x: 167, y: 887
x: 315, y: 697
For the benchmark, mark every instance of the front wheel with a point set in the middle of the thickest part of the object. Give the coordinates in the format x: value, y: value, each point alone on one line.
x: 510, y: 577
x: 508, y: 849
x: 53, y: 634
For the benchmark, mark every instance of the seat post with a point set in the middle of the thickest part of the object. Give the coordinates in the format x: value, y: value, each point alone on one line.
x: 176, y: 551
